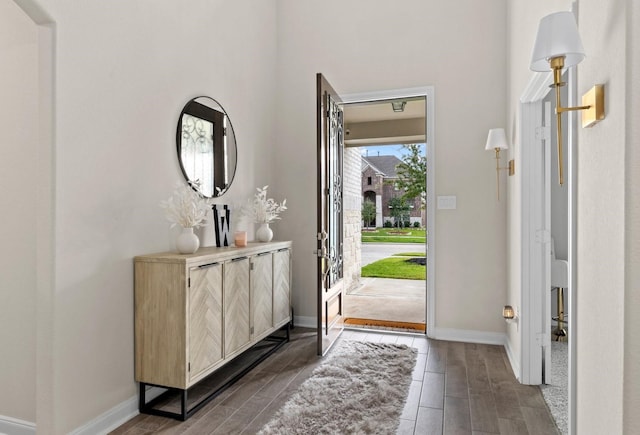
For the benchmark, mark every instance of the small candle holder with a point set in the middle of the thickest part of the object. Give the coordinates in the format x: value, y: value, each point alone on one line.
x: 240, y: 238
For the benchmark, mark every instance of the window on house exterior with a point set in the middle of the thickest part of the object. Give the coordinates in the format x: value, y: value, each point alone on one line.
x: 368, y: 181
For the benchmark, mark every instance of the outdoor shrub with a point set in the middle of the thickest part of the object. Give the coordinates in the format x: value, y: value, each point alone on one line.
x: 416, y: 224
x: 407, y: 224
x: 388, y: 224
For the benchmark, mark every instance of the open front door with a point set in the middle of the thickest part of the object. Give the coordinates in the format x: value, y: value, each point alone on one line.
x: 329, y: 235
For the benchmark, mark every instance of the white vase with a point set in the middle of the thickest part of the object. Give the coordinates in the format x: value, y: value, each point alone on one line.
x: 187, y: 242
x: 264, y: 233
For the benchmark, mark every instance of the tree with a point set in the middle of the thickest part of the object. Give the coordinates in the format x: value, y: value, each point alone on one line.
x: 368, y: 212
x: 412, y: 173
x: 399, y: 210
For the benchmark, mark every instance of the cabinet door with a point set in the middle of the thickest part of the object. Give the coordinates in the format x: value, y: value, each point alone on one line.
x: 205, y: 318
x: 281, y: 286
x: 236, y: 304
x: 262, y: 293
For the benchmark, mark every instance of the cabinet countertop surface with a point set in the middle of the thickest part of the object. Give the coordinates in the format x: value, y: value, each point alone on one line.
x: 223, y: 252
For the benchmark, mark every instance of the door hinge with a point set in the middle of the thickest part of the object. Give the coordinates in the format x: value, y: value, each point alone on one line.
x: 543, y: 236
x: 251, y: 266
x: 543, y: 339
x: 543, y: 133
x: 189, y: 368
x: 251, y: 331
x: 321, y: 253
x: 189, y: 282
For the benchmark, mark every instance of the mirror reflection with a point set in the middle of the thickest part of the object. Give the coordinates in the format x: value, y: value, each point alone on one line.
x: 206, y: 146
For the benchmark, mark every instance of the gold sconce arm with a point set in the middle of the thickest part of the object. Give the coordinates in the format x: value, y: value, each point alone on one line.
x: 497, y: 140
x: 558, y: 44
x: 510, y: 168
x: 557, y: 64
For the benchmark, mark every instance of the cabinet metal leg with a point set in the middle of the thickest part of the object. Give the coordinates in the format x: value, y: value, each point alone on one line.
x: 560, y: 330
x: 273, y: 343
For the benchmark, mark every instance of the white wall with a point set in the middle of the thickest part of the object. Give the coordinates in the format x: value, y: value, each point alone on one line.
x: 631, y: 388
x: 608, y: 208
x: 364, y: 46
x: 124, y: 72
x: 602, y: 224
x: 18, y: 160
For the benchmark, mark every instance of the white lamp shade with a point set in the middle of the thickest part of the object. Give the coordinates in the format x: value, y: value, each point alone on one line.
x: 497, y: 139
x: 557, y: 36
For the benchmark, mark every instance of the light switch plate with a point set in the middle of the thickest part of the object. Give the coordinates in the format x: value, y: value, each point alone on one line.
x: 447, y: 202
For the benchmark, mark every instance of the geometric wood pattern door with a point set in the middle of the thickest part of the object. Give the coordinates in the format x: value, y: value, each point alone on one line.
x: 262, y: 293
x: 205, y: 318
x: 281, y: 285
x: 236, y: 304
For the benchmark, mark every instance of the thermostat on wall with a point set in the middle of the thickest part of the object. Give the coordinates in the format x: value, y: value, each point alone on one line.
x: 447, y: 202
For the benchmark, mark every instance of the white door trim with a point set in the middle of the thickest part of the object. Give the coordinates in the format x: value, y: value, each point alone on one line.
x: 429, y: 93
x: 530, y: 117
x: 532, y: 223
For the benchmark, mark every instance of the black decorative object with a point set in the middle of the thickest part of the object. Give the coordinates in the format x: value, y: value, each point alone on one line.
x: 221, y: 222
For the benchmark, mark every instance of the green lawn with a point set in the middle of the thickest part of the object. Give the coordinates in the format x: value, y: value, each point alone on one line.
x: 396, y: 267
x: 394, y: 235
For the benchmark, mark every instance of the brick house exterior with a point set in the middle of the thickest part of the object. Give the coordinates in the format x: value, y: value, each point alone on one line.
x: 377, y: 175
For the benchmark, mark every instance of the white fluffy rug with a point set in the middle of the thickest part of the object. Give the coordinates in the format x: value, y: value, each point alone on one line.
x: 555, y: 391
x: 360, y: 388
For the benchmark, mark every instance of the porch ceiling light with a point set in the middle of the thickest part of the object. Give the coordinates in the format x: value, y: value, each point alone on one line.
x: 557, y: 46
x: 398, y: 106
x: 497, y: 140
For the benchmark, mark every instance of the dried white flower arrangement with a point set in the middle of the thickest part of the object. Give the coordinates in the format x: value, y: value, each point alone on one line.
x: 263, y: 210
x: 186, y: 207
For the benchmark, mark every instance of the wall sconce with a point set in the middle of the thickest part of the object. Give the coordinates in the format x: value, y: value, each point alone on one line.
x: 497, y: 140
x: 509, y: 314
x: 558, y: 45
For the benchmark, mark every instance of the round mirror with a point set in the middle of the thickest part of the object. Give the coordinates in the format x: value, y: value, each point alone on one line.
x: 206, y: 146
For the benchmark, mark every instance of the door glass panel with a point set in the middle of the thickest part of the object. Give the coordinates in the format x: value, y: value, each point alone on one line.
x: 335, y: 192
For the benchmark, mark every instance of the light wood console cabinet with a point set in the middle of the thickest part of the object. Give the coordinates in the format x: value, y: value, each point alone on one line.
x: 195, y: 313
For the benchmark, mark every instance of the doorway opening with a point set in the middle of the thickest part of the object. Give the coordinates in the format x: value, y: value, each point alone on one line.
x: 556, y: 352
x: 548, y: 243
x: 386, y: 245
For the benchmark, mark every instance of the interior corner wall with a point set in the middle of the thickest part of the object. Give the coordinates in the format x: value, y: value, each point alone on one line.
x: 631, y: 395
x: 123, y: 74
x: 18, y: 155
x: 522, y: 18
x: 603, y: 204
x: 365, y: 46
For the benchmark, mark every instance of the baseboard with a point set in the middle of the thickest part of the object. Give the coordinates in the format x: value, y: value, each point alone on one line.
x: 13, y: 426
x: 116, y: 416
x: 469, y: 336
x: 515, y: 366
x: 305, y: 322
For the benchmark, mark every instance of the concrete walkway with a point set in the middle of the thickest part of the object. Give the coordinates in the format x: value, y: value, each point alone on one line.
x: 399, y: 300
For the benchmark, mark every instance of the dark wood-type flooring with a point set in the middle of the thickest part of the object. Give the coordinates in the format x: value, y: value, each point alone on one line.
x: 457, y: 388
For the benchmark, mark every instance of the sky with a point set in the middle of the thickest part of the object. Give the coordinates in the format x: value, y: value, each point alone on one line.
x: 386, y: 150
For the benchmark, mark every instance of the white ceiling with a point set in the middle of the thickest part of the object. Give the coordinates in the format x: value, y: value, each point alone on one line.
x: 382, y: 110
x: 375, y: 123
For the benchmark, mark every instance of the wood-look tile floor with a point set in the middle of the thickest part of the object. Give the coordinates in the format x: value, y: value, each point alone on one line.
x: 457, y: 388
